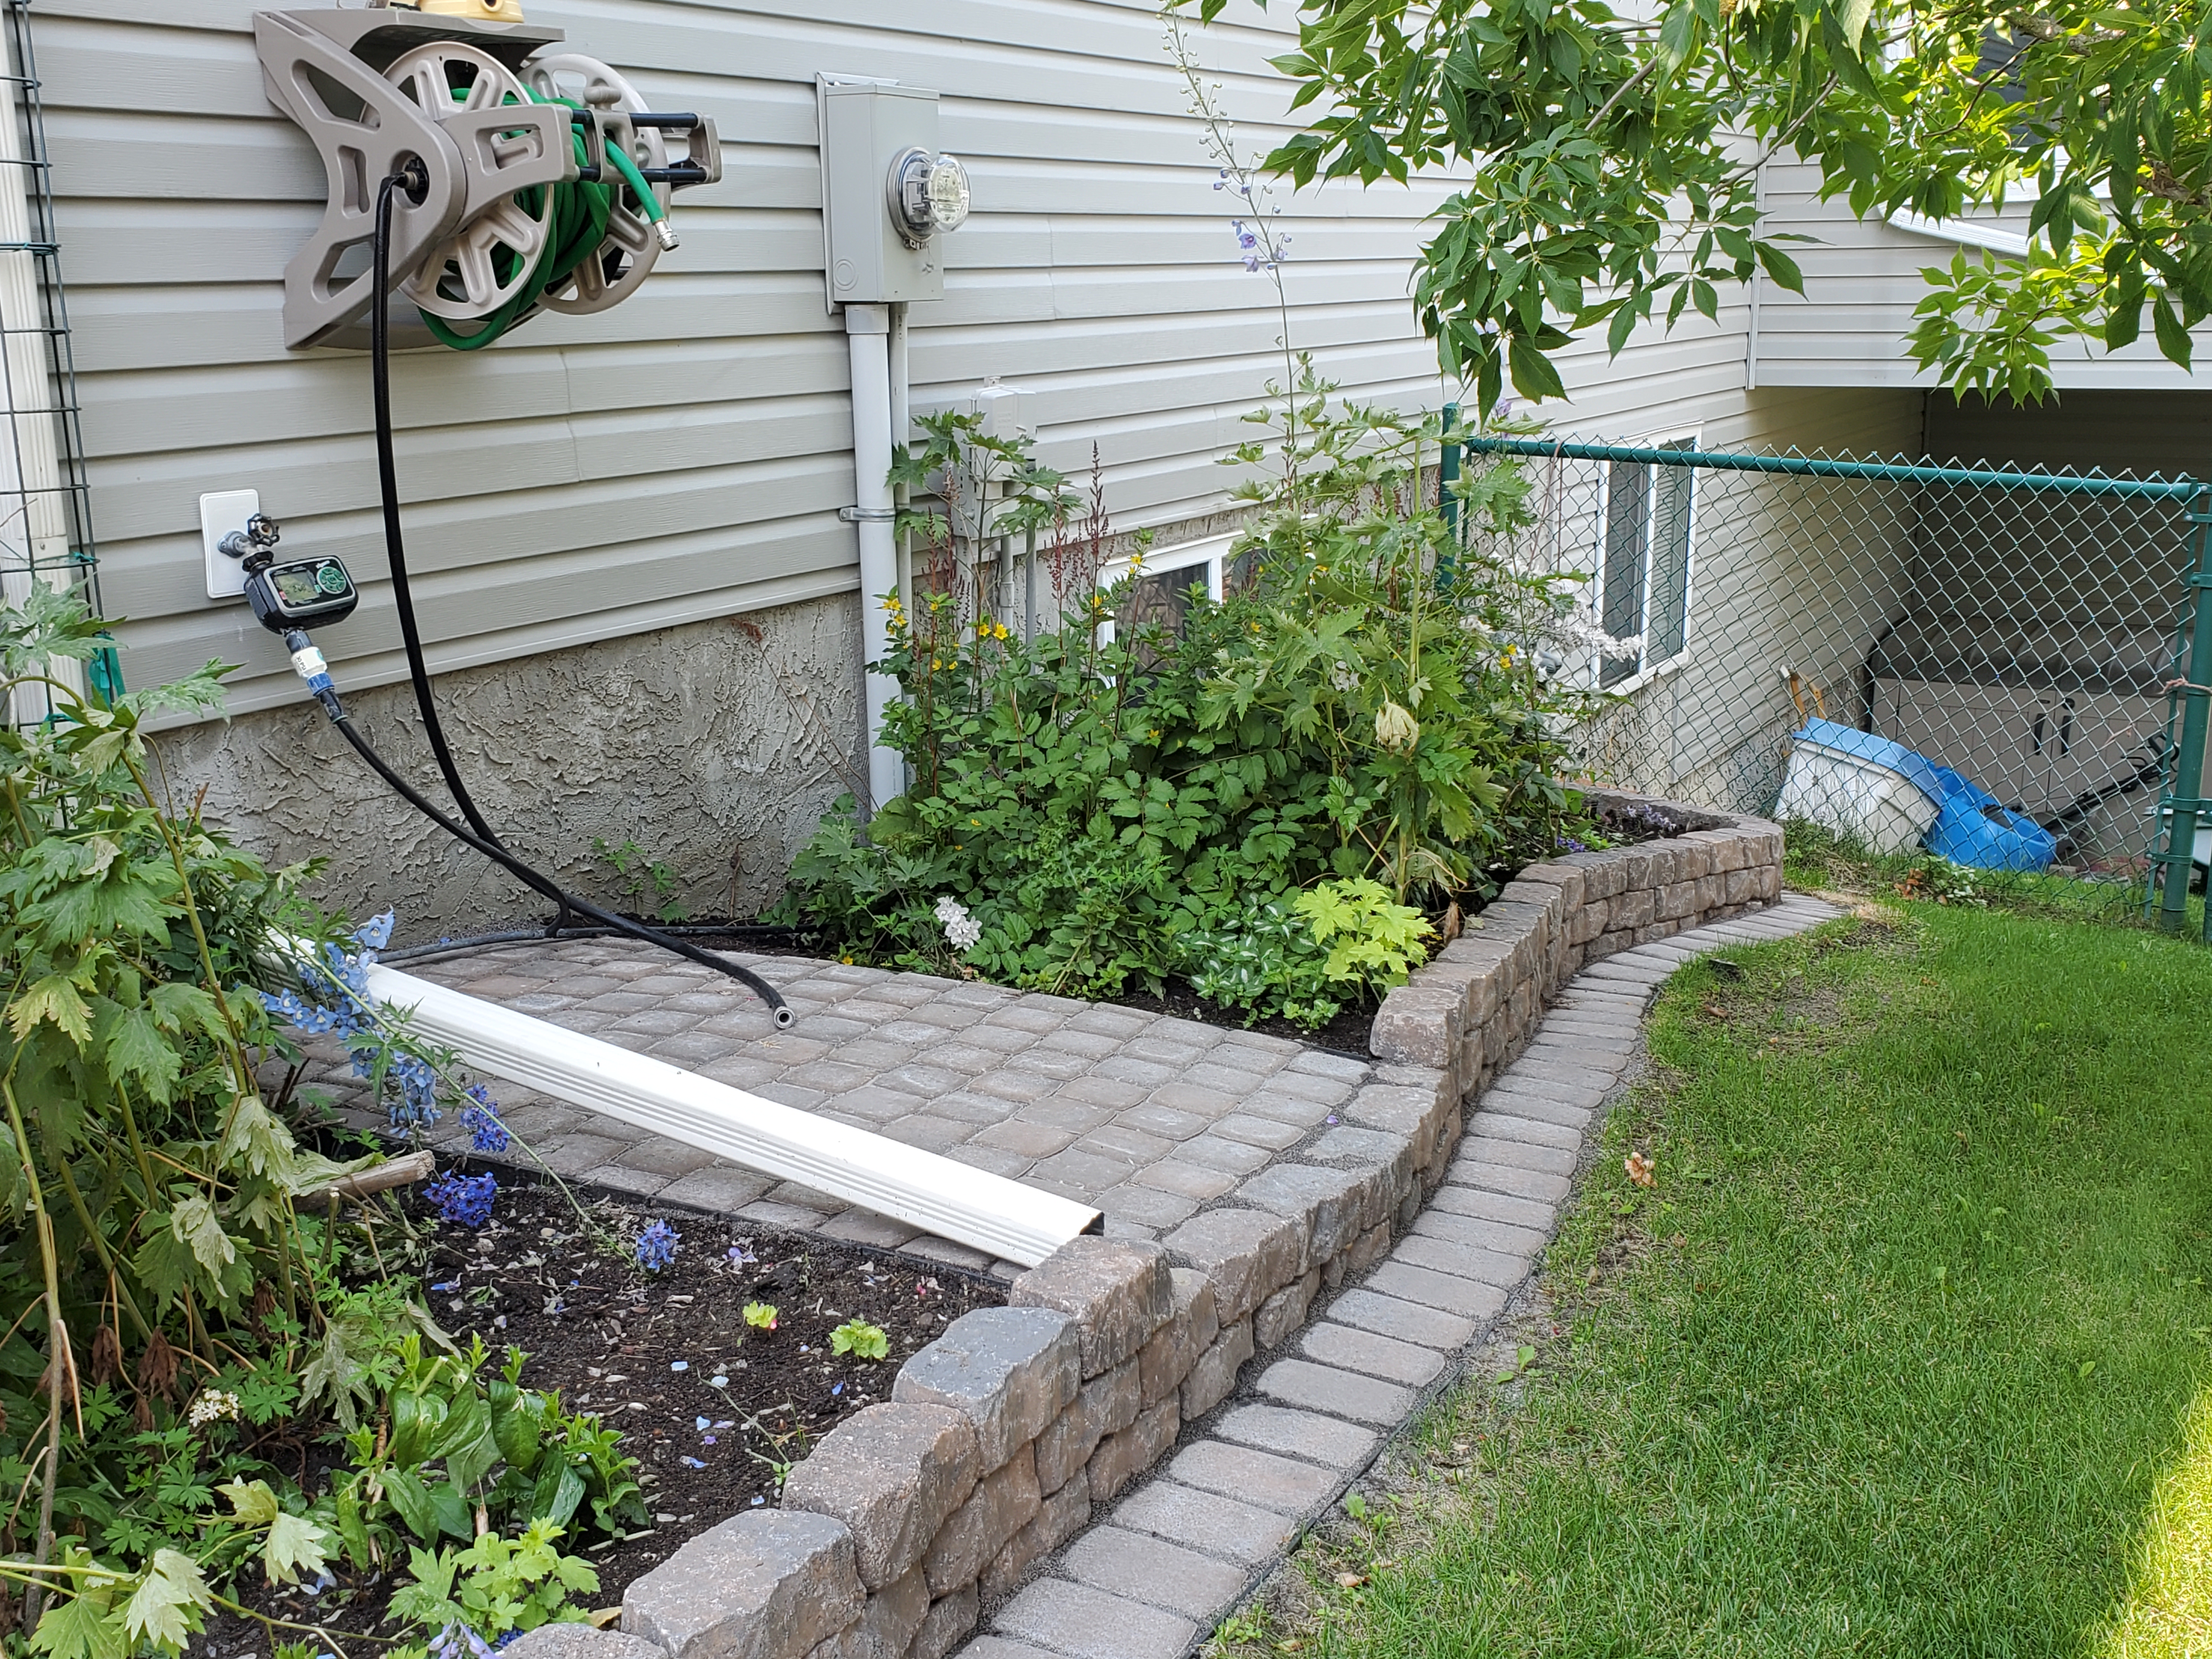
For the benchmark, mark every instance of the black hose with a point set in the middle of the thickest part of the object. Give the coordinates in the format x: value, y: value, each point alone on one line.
x: 545, y: 886
x: 479, y: 834
x: 764, y: 932
x: 387, y: 478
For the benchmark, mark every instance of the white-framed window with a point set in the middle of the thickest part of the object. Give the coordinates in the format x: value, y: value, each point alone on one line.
x: 1647, y: 533
x: 1165, y: 578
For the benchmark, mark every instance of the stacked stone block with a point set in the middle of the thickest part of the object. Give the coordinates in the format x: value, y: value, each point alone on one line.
x: 1470, y: 1009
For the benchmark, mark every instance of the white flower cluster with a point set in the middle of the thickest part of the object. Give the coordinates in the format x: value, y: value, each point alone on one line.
x: 213, y: 1404
x: 1575, y: 628
x: 961, y: 931
x: 1344, y: 677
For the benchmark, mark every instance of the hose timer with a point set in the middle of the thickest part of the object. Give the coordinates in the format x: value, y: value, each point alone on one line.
x: 297, y: 593
x: 301, y: 593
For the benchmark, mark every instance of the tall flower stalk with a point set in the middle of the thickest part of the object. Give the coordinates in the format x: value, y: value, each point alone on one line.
x: 1262, y: 244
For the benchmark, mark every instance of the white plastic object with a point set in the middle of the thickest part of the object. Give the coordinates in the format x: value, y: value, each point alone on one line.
x: 953, y: 1200
x: 867, y: 338
x: 621, y: 262
x: 459, y: 279
x: 1873, y: 804
x: 223, y: 512
x: 1007, y: 411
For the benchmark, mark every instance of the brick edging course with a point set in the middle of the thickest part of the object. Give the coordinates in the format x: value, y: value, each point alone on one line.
x: 1002, y: 1435
x: 1469, y: 1011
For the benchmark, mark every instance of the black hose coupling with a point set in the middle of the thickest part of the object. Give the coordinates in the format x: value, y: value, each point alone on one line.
x: 413, y: 180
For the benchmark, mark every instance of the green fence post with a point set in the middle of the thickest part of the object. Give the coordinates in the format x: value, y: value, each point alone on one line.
x: 2187, y: 803
x: 1447, y: 476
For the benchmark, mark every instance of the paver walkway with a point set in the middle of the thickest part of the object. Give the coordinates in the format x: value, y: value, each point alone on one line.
x: 1143, y: 1116
x: 1150, y: 1578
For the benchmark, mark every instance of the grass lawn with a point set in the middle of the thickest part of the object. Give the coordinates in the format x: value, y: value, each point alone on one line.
x: 1908, y: 1352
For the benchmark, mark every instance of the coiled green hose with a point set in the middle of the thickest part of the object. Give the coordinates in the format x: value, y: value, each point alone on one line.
x: 579, y: 216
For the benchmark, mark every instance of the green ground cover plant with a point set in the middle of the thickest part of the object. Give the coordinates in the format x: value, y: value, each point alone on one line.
x: 1268, y: 798
x: 1906, y: 1349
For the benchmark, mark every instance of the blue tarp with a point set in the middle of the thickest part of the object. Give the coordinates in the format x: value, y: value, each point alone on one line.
x: 1971, y: 828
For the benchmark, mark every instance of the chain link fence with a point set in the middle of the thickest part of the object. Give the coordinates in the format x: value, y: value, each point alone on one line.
x: 1978, y: 662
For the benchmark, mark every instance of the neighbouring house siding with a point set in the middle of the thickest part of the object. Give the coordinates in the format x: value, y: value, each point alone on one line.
x: 1862, y: 281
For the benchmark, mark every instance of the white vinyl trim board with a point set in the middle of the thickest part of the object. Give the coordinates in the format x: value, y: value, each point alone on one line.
x: 969, y: 1206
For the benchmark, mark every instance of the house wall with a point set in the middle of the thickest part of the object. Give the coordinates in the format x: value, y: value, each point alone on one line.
x: 585, y: 499
x: 1862, y: 281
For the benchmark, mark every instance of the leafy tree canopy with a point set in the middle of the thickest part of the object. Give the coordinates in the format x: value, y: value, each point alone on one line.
x: 1615, y: 160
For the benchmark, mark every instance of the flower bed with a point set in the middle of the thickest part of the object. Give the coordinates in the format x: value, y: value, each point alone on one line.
x: 711, y: 1403
x: 1274, y: 796
x: 1001, y: 1437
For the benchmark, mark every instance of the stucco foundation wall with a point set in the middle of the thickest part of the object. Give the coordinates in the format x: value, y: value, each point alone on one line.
x: 715, y: 746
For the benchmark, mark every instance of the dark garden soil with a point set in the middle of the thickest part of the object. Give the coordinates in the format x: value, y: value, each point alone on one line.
x: 1346, y: 1034
x: 706, y: 1403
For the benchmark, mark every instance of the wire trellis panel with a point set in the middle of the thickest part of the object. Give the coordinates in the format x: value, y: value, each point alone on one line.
x: 45, y: 508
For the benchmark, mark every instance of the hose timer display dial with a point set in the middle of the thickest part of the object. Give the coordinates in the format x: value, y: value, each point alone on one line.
x: 301, y: 593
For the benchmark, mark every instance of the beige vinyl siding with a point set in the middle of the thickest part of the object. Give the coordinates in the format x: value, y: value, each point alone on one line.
x: 1862, y: 281
x: 684, y: 456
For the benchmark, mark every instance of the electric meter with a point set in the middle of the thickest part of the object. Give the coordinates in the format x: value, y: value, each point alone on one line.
x: 929, y: 193
x: 301, y: 593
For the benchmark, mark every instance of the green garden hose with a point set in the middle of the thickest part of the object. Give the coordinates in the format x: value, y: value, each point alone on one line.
x: 579, y: 214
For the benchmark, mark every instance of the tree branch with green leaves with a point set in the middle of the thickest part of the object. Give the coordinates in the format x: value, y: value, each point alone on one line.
x: 1615, y: 163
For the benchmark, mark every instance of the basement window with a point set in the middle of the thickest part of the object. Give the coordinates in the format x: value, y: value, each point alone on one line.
x: 1644, y: 579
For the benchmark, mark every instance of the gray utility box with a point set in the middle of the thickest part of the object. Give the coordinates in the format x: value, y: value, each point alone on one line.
x: 865, y: 126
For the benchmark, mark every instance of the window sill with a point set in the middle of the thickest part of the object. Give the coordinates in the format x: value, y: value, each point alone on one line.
x: 1646, y: 677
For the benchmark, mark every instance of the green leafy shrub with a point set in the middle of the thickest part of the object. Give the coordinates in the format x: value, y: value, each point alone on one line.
x: 1086, y: 813
x: 450, y: 1448
x: 169, y: 1309
x: 1370, y: 939
x: 495, y: 1586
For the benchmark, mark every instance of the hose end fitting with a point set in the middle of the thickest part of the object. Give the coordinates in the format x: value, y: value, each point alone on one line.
x: 666, y: 232
x: 308, y: 664
x: 783, y: 1018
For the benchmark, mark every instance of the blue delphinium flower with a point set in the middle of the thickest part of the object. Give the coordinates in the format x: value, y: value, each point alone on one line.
x: 459, y: 1641
x: 464, y: 1200
x: 656, y: 1246
x: 339, y: 1007
x: 1247, y: 243
x: 486, y: 1132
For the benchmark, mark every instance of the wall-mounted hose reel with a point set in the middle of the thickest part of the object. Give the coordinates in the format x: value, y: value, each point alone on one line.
x: 542, y: 180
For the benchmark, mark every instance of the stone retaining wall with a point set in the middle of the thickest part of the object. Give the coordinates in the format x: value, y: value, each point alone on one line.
x: 1001, y: 1436
x: 1469, y: 1009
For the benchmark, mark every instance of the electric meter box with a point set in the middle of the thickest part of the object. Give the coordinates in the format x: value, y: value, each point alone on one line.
x: 865, y: 127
